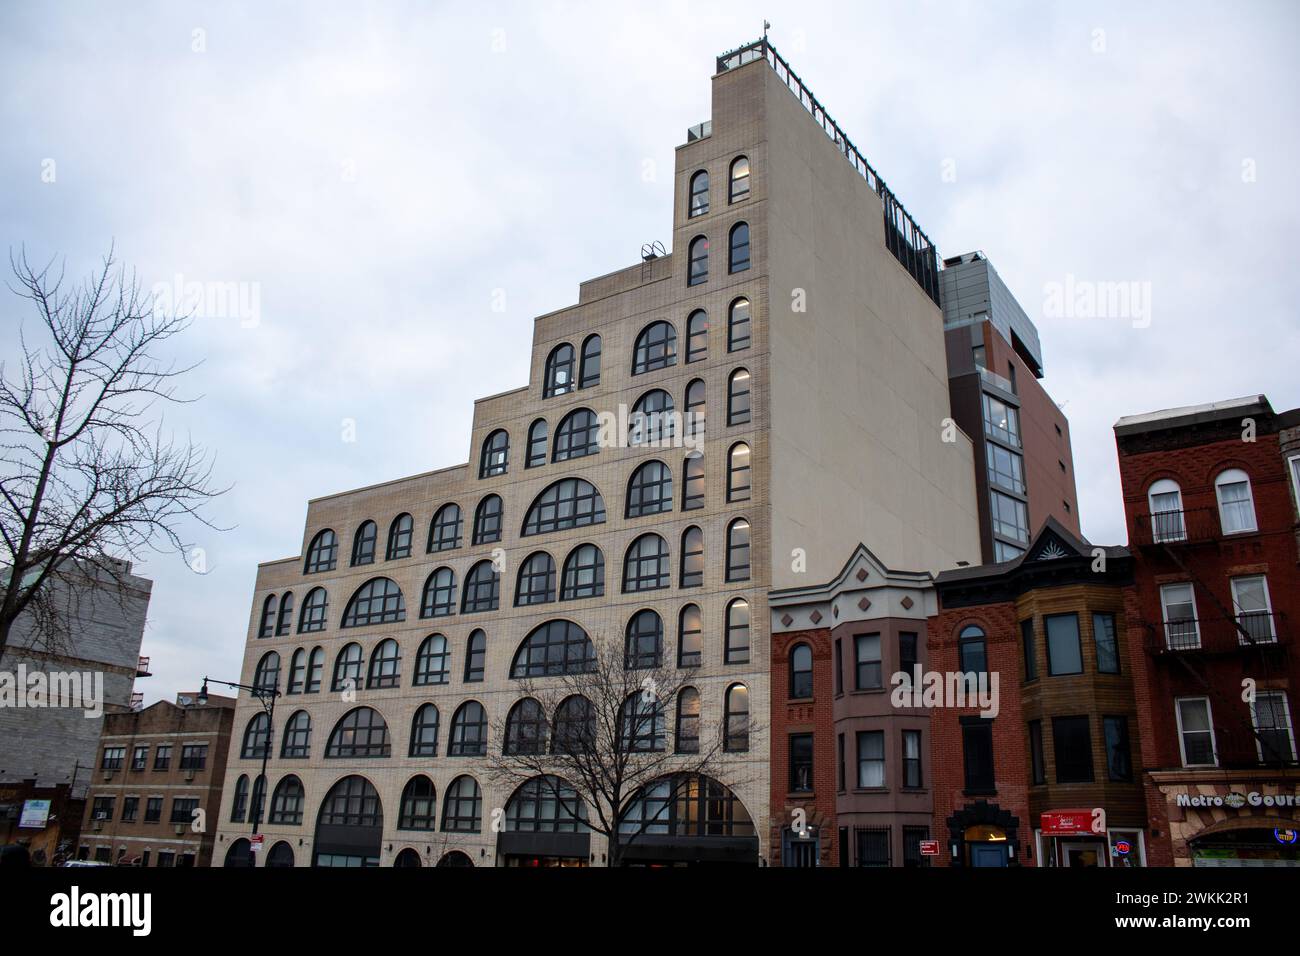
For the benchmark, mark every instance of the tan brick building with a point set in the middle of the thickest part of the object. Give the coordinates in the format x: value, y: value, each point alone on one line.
x: 798, y: 311
x: 156, y: 787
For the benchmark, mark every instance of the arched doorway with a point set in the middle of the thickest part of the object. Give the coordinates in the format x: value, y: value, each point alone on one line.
x: 350, y: 825
x: 407, y: 857
x: 455, y: 858
x: 982, y: 834
x: 281, y: 856
x: 239, y: 853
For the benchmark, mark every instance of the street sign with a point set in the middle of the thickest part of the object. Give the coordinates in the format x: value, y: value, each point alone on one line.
x: 256, y: 843
x: 929, y: 848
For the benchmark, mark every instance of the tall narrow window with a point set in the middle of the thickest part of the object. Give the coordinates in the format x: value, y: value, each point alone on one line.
x: 1236, y: 505
x: 1271, y: 716
x: 688, y: 721
x: 315, y: 670
x: 1178, y: 604
x: 589, y: 373
x: 907, y: 655
x: 363, y: 544
x: 644, y: 641
x: 698, y: 272
x: 1064, y: 655
x: 801, y: 671
x: 738, y: 253
x: 868, y: 675
x: 1027, y: 642
x: 737, y: 651
x: 693, y: 481
x: 912, y: 759
x: 1253, y: 609
x: 692, y: 575
x: 559, y: 371
x: 738, y: 325
x: 1119, y: 759
x: 400, y: 533
x: 475, y: 657
x: 1166, y: 501
x: 738, y: 474
x: 1072, y: 744
x: 1037, y: 766
x: 1195, y: 732
x: 972, y: 655
x: 977, y: 753
x: 487, y: 520
x: 736, y: 730
x: 739, y: 186
x: 871, y: 759
x: 801, y: 763
x: 536, y: 444
x: 690, y: 637
x: 285, y: 624
x: 738, y: 411
x: 699, y: 194
x: 496, y: 454
x: 697, y: 336
x: 693, y: 414
x: 297, y: 673
x: 1104, y: 638
x: 738, y: 550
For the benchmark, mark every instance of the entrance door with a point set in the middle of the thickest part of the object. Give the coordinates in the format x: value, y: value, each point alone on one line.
x: 1081, y: 855
x: 988, y: 854
x: 799, y: 850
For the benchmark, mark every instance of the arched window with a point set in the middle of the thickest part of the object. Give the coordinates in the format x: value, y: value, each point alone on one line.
x: 266, y: 677
x: 267, y: 627
x: 737, y: 649
x: 353, y: 803
x: 347, y: 668
x: 468, y: 731
x: 589, y: 373
x: 495, y: 457
x: 801, y: 671
x: 487, y: 520
x: 323, y: 553
x: 554, y: 648
x: 738, y: 550
x: 361, y: 732
x: 645, y: 566
x: 400, y: 533
x: 972, y: 654
x: 577, y: 436
x: 363, y: 544
x: 475, y: 657
x: 738, y: 475
x: 739, y: 254
x: 315, y: 610
x: 698, y: 264
x: 559, y: 371
x: 536, y: 444
x: 575, y: 726
x: 652, y: 421
x: 697, y: 336
x: 297, y: 672
x: 419, y: 805
x: 385, y: 665
x: 692, y: 574
x: 281, y: 855
x: 644, y: 642
x: 462, y: 807
x: 699, y: 195
x: 656, y: 348
x: 286, y: 803
x: 526, y: 727
x: 687, y: 731
x: 424, y: 732
x: 536, y: 583
x: 482, y: 589
x: 738, y: 397
x: 257, y: 738
x: 569, y: 503
x: 432, y: 661
x: 296, y: 742
x: 444, y: 529
x: 439, y: 594
x: 694, y: 413
x: 315, y: 670
x: 378, y: 601
x: 650, y: 491
x: 738, y: 325
x: 239, y: 805
x: 285, y: 625
x: 641, y: 729
x: 739, y: 188
x: 693, y: 481
x: 584, y: 573
x: 690, y: 636
x: 259, y: 800
x: 546, y: 805
x: 1236, y: 503
x: 736, y: 733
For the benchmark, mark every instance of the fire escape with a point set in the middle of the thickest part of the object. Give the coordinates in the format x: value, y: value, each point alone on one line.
x: 1255, y: 640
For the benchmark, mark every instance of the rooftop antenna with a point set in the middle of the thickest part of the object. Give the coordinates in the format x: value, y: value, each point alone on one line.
x: 766, y: 26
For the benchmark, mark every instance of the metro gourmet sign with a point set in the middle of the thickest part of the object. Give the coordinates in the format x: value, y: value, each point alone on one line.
x: 1236, y: 800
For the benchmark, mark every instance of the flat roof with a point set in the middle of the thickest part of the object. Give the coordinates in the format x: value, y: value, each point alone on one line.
x: 1192, y: 414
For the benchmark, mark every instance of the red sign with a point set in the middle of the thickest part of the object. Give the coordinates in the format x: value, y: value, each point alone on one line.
x: 1068, y: 823
x: 929, y: 848
x: 256, y: 843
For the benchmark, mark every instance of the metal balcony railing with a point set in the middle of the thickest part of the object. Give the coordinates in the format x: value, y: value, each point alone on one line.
x: 903, y: 237
x: 699, y: 131
x: 1263, y: 630
x: 1194, y: 526
x: 142, y: 668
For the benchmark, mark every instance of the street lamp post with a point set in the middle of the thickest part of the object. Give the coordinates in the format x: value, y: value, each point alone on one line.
x: 266, y: 697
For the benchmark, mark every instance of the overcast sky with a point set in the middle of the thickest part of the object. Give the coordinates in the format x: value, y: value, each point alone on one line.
x: 376, y: 177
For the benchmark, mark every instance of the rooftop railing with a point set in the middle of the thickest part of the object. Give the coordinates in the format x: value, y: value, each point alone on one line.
x: 903, y: 237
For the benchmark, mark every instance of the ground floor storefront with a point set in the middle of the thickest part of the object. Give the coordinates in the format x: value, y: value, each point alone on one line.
x: 1219, y: 818
x: 1088, y: 837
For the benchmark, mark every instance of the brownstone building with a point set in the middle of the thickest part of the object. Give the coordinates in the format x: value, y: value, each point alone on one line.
x: 156, y: 787
x: 1210, y: 502
x: 1046, y: 775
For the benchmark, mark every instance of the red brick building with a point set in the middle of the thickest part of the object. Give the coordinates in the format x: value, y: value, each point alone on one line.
x: 1210, y: 503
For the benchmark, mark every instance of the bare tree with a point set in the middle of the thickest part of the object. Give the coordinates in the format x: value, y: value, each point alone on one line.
x: 88, y: 474
x: 599, y: 736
